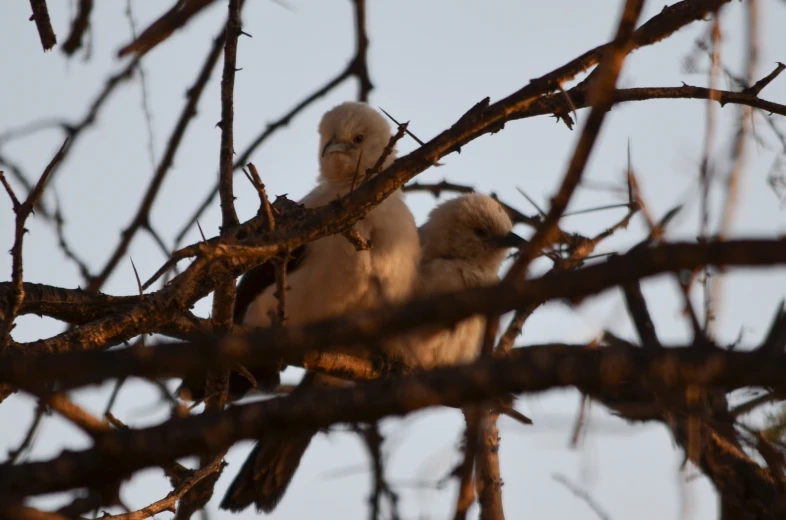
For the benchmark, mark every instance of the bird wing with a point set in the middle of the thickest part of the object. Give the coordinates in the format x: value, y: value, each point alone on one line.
x: 251, y: 284
x: 258, y: 279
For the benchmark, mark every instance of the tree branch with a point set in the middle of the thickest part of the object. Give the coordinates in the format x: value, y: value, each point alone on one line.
x: 23, y: 211
x: 163, y: 27
x: 291, y: 344
x: 41, y: 18
x: 78, y: 28
x: 592, y: 370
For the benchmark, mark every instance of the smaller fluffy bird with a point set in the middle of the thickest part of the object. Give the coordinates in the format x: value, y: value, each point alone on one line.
x: 463, y: 245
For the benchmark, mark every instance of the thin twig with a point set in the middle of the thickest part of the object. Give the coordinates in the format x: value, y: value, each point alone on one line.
x: 23, y: 211
x: 169, y: 502
x: 264, y: 203
x: 582, y: 495
x: 373, y: 440
x: 387, y: 151
x: 27, y: 441
x: 466, y: 470
x: 145, y: 96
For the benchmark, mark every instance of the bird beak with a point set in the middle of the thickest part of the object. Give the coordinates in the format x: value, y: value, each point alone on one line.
x: 336, y: 146
x: 509, y: 240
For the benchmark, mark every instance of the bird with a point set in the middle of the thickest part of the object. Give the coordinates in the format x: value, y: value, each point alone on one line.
x: 330, y: 278
x: 463, y: 244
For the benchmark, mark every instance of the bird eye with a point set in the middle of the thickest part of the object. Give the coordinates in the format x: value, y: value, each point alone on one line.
x: 358, y: 138
x: 482, y: 233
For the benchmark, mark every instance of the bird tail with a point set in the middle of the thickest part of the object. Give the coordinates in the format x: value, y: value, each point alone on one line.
x: 267, y: 472
x: 272, y: 463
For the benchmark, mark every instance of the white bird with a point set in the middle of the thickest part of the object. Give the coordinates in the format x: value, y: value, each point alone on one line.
x: 331, y: 278
x: 463, y: 245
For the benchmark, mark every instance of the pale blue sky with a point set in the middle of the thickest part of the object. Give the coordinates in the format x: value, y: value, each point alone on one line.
x: 430, y: 62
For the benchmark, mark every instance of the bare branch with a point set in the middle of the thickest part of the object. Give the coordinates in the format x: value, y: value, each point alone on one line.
x: 23, y: 211
x: 41, y: 18
x: 78, y: 28
x: 265, y: 209
x: 169, y: 502
x: 466, y: 470
x: 582, y: 495
x: 27, y: 441
x: 530, y: 369
x: 162, y: 28
x: 359, y: 65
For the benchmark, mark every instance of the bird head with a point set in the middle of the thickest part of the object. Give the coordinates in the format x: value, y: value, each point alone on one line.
x: 352, y: 138
x: 474, y: 228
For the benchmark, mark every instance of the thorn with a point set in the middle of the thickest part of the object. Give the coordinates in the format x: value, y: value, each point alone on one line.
x: 570, y: 103
x: 248, y: 176
x: 244, y: 33
x: 540, y: 211
x: 201, y: 232
x: 138, y: 281
x: 513, y: 414
x: 599, y: 208
x: 631, y: 199
x: 406, y: 130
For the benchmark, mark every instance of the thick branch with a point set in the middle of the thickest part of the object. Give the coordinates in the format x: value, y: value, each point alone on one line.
x: 291, y: 344
x: 593, y: 370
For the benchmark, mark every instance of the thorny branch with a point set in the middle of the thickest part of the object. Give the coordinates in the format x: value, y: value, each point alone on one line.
x: 23, y: 211
x: 105, y: 321
x: 291, y: 344
x: 217, y: 383
x: 530, y: 369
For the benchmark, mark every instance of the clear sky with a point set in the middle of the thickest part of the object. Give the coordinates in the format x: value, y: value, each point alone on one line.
x: 430, y: 62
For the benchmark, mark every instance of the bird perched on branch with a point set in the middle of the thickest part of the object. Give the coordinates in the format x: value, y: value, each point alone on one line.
x: 463, y: 244
x: 331, y: 277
